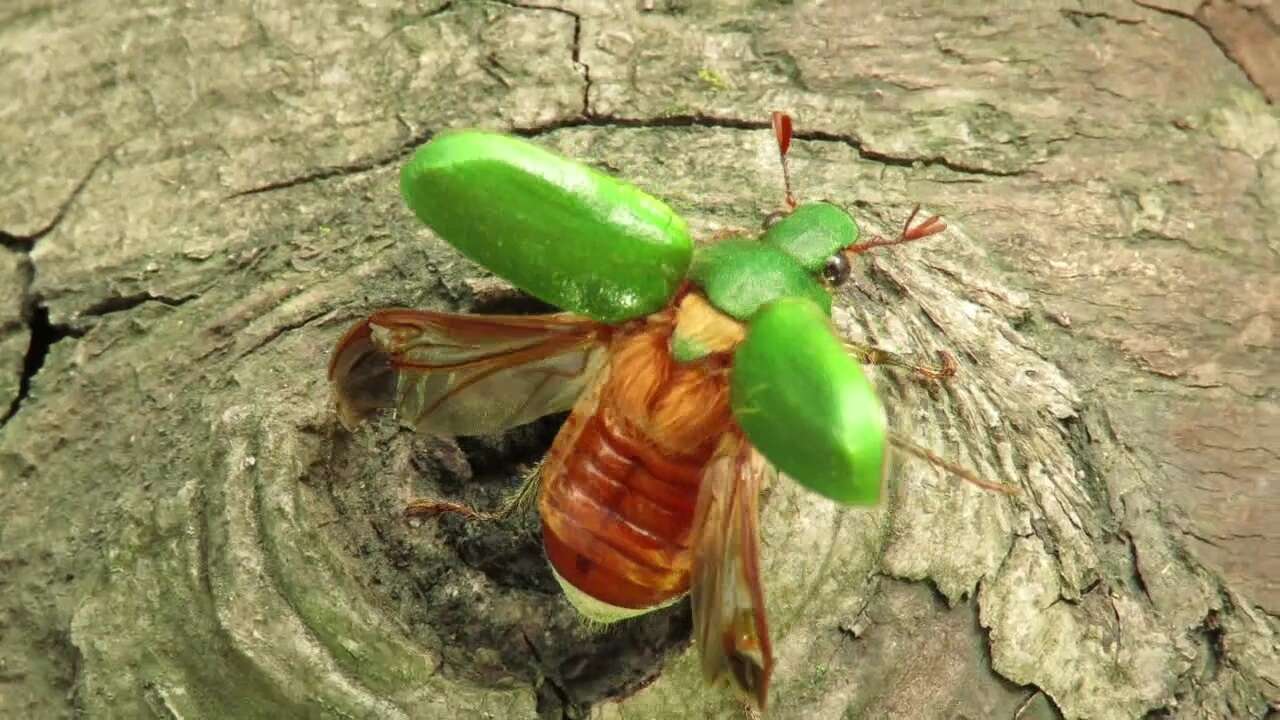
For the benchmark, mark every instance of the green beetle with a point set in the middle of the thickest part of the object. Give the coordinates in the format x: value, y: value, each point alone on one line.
x: 694, y: 375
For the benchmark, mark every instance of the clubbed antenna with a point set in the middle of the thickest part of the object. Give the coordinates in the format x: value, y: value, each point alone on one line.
x: 931, y: 226
x: 782, y: 131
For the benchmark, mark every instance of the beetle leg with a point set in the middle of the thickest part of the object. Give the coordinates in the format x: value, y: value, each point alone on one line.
x: 727, y: 234
x: 869, y: 355
x: 519, y: 501
x: 965, y: 474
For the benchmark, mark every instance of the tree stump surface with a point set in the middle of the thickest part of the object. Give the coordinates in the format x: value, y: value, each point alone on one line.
x: 195, y: 201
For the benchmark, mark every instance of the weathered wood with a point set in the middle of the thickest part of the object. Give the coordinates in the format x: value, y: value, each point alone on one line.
x: 199, y: 200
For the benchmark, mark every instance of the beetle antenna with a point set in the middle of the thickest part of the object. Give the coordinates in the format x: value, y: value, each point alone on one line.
x: 931, y: 226
x: 782, y: 132
x: 963, y: 473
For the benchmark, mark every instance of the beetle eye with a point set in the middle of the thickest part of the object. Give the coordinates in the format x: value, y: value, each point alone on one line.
x: 836, y: 271
x: 773, y: 218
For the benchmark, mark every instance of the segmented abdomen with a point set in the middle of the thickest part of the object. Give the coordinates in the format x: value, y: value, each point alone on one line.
x: 621, y: 482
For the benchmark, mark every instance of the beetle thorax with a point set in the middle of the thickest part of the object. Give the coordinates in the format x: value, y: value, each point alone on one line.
x: 701, y: 330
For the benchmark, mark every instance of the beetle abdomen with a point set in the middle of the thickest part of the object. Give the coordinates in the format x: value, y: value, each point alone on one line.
x: 617, y: 529
x: 621, y: 482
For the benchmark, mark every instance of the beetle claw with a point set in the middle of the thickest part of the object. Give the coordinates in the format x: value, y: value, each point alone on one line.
x: 421, y: 508
x: 946, y: 369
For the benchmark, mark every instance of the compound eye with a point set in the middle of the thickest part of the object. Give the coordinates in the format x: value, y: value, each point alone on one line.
x: 773, y: 218
x: 836, y: 271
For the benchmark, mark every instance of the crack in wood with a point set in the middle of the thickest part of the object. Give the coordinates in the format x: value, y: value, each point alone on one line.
x: 43, y: 336
x: 614, y: 121
x: 24, y: 243
x: 575, y: 52
x: 121, y: 303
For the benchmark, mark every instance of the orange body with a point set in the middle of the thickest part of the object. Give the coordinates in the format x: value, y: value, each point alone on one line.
x: 621, y: 481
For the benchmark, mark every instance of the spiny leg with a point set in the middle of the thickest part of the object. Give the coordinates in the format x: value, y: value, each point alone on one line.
x: 875, y: 356
x: 965, y: 474
x: 728, y: 234
x: 522, y: 499
x: 869, y: 355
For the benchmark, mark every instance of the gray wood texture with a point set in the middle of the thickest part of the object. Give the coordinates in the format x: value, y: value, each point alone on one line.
x: 196, y: 199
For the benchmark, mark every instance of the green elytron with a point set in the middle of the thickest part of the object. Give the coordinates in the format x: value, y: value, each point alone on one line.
x: 692, y: 372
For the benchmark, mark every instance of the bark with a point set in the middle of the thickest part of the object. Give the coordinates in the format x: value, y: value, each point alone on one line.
x: 195, y: 201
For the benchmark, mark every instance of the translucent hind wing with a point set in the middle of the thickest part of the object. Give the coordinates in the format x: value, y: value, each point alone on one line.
x: 451, y: 374
x: 729, y: 623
